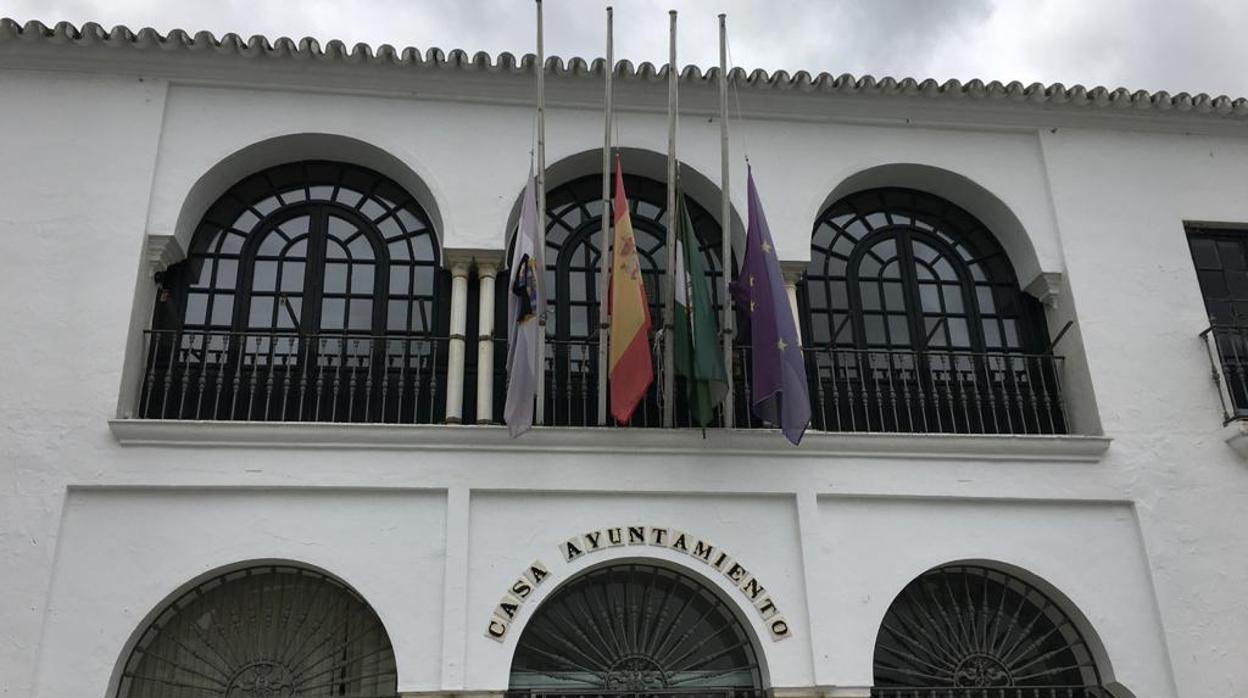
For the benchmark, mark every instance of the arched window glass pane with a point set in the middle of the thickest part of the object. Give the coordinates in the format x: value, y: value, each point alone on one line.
x: 900, y: 262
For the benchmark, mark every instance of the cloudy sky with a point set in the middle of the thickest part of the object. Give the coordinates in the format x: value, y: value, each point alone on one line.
x: 1175, y: 45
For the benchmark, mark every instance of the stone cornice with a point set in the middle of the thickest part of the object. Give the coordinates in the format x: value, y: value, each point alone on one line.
x: 173, y: 54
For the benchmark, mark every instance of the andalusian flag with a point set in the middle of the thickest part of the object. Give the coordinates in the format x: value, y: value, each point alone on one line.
x: 630, y: 368
x: 696, y: 331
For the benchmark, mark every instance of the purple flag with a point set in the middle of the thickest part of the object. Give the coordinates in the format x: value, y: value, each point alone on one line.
x: 781, y: 395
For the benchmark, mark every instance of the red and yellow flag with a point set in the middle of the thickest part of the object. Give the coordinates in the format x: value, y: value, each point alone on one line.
x: 630, y: 367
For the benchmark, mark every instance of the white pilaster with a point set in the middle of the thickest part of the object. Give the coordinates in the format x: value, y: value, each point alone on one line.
x: 485, y: 342
x: 455, y: 354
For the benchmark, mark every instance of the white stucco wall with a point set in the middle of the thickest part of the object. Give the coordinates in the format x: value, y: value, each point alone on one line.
x: 1148, y: 541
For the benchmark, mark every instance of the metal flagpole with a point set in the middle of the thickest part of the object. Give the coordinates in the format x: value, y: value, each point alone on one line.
x: 669, y: 292
x: 725, y: 222
x: 539, y: 413
x: 604, y: 245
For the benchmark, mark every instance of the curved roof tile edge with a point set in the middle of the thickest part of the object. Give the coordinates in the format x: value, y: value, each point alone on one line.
x: 91, y: 34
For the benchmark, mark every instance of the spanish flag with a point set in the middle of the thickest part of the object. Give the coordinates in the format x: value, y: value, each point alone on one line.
x: 630, y: 368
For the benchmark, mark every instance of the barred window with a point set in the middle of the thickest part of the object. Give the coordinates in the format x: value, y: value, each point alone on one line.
x: 263, y: 631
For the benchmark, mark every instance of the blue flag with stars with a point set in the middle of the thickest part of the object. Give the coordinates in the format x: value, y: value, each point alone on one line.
x: 781, y: 394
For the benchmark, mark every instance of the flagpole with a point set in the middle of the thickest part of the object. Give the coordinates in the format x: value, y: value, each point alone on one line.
x: 669, y: 293
x: 604, y: 245
x: 539, y: 413
x: 725, y: 221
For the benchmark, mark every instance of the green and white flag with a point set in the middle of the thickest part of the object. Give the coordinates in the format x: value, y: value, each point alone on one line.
x: 697, y: 352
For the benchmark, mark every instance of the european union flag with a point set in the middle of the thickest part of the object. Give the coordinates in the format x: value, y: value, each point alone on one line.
x: 781, y: 394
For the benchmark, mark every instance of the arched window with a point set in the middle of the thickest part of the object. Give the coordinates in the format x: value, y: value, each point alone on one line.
x: 311, y: 293
x: 263, y: 631
x: 914, y: 321
x: 636, y: 629
x: 966, y: 631
x: 573, y: 229
x: 901, y: 269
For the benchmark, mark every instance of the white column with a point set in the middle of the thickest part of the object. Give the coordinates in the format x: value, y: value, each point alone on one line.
x: 792, y: 272
x: 455, y: 354
x: 485, y: 342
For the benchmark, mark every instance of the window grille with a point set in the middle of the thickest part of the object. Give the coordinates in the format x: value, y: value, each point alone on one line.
x: 635, y: 629
x: 263, y: 631
x: 965, y: 631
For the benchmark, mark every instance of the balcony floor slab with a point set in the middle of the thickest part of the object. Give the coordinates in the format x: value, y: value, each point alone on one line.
x: 739, y: 442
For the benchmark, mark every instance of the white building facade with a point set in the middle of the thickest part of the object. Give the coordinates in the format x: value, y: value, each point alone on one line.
x: 251, y: 386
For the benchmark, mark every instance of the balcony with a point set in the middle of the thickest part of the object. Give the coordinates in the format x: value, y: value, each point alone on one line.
x: 851, y: 390
x: 349, y: 378
x: 1227, y: 347
x: 284, y: 377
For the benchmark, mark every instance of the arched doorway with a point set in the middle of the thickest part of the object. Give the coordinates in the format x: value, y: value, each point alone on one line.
x: 271, y: 630
x: 966, y: 631
x: 637, y: 629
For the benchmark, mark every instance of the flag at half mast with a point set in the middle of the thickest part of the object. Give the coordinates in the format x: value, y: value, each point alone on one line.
x: 781, y: 394
x: 698, y: 358
x: 629, y: 364
x: 525, y: 304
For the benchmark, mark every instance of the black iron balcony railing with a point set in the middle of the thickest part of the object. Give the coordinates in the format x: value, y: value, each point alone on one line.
x: 948, y: 392
x: 851, y: 390
x: 1227, y: 346
x: 994, y: 692
x: 335, y: 377
x: 259, y: 376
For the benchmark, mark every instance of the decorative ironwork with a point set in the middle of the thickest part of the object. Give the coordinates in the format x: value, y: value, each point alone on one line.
x: 855, y: 390
x: 944, y: 392
x: 968, y: 631
x: 902, y: 269
x: 282, y: 377
x: 1228, y: 361
x: 263, y: 632
x: 635, y: 629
